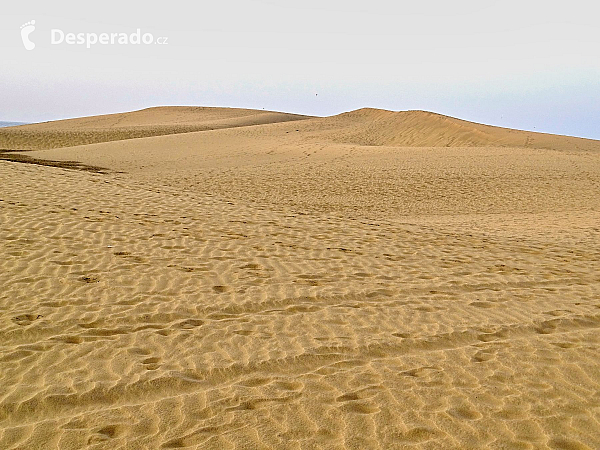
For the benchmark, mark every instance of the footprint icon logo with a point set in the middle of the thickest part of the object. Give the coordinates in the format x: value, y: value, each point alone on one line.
x: 26, y: 30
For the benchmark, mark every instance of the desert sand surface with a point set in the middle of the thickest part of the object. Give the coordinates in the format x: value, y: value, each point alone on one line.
x: 372, y: 280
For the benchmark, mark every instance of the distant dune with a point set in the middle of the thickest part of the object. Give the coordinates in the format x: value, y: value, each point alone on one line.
x: 376, y: 127
x: 367, y: 127
x: 419, y: 162
x: 130, y: 125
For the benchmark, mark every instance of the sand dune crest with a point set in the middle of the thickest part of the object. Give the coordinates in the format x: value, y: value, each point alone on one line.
x: 156, y: 121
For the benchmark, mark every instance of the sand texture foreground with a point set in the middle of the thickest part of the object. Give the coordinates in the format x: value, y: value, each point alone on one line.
x: 330, y: 283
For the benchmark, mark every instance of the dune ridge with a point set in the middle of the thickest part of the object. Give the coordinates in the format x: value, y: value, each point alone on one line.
x: 156, y: 121
x: 366, y: 127
x: 285, y: 164
x: 377, y: 127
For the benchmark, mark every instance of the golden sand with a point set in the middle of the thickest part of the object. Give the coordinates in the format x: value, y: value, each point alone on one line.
x: 137, y: 124
x: 368, y: 280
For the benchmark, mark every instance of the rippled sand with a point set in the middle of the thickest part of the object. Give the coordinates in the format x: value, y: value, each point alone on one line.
x: 262, y: 287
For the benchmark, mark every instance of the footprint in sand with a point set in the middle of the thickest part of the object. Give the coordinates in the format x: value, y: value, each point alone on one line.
x: 219, y: 289
x: 151, y: 363
x: 90, y: 279
x: 360, y: 408
x: 106, y: 433
x: 464, y: 413
x: 402, y: 335
x: 420, y: 372
x: 482, y: 356
x: 188, y: 324
x: 419, y: 434
x: 26, y: 29
x: 26, y: 319
x: 243, y: 332
x: 70, y: 339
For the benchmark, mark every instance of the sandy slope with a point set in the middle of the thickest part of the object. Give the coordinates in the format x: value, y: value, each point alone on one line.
x: 146, y: 122
x: 262, y: 287
x: 318, y: 165
x: 425, y: 129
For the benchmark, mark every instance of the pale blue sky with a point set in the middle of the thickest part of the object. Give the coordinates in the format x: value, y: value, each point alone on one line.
x: 528, y: 65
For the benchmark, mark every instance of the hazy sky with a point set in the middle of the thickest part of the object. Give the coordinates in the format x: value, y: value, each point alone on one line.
x: 525, y: 64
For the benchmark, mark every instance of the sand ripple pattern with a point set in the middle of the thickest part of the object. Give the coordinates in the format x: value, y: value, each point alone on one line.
x: 140, y: 316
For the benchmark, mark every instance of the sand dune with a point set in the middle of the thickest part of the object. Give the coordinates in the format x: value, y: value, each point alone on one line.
x: 365, y: 127
x: 313, y: 165
x: 307, y: 284
x: 376, y: 127
x: 146, y: 122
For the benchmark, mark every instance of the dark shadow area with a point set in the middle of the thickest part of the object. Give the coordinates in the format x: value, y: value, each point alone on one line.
x: 15, y: 156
